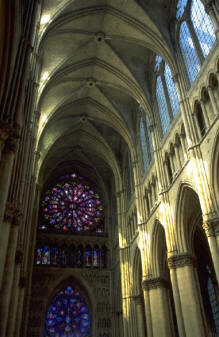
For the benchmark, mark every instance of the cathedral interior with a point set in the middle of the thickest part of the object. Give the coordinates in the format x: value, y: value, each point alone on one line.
x: 109, y: 168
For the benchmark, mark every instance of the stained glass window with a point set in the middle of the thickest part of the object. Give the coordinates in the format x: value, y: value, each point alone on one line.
x: 151, y: 149
x: 103, y: 257
x: 203, y: 26
x: 68, y: 315
x: 143, y: 145
x: 171, y: 88
x: 87, y: 257
x: 162, y: 106
x: 96, y: 256
x: 39, y: 255
x: 55, y: 256
x: 46, y: 255
x: 72, y: 205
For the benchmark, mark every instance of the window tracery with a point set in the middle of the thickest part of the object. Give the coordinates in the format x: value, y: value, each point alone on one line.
x: 68, y: 315
x: 166, y: 94
x: 71, y: 205
x: 71, y: 256
x: 147, y: 150
x: 196, y: 35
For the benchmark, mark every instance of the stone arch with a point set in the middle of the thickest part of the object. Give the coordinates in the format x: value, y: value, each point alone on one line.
x: 187, y: 217
x: 158, y: 251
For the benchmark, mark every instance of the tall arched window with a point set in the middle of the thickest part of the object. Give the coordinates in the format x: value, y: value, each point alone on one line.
x: 146, y: 140
x: 166, y: 94
x: 68, y: 315
x: 196, y: 34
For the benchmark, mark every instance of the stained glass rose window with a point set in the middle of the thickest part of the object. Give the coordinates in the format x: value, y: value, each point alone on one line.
x: 72, y: 205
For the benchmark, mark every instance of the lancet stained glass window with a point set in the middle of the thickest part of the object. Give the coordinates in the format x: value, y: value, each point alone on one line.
x: 68, y: 315
x: 71, y: 205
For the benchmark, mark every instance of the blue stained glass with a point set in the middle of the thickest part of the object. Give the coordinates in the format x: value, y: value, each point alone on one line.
x: 181, y: 8
x: 39, y: 255
x: 87, y: 257
x: 143, y: 145
x: 203, y: 26
x: 162, y: 106
x: 96, y: 257
x: 71, y: 206
x: 172, y: 93
x: 190, y: 56
x: 46, y: 255
x: 68, y: 315
x: 158, y: 60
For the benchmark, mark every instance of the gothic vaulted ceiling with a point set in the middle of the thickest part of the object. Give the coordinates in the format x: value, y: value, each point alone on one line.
x: 97, y: 60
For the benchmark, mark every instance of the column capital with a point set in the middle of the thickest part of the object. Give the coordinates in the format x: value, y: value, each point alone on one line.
x: 9, y: 212
x: 5, y: 132
x: 211, y: 226
x: 181, y: 260
x: 138, y: 299
x: 119, y: 193
x: 154, y: 283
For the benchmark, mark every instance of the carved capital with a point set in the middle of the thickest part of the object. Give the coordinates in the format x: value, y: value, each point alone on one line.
x: 9, y: 212
x: 5, y: 131
x: 16, y: 220
x: 211, y: 227
x: 119, y: 193
x: 154, y: 283
x: 12, y: 140
x: 181, y: 260
x: 18, y: 256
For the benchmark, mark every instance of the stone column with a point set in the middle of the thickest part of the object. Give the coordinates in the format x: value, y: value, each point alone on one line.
x: 186, y: 296
x: 156, y: 294
x: 140, y: 316
x: 14, y: 295
x: 213, y: 101
x: 22, y: 284
x: 6, y: 166
x: 7, y: 281
x: 5, y: 131
x: 211, y: 228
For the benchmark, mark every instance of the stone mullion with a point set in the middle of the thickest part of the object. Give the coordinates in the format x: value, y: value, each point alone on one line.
x: 195, y: 41
x: 212, y: 11
x: 167, y: 98
x: 147, y: 139
x: 158, y: 159
x: 186, y: 296
x: 138, y: 192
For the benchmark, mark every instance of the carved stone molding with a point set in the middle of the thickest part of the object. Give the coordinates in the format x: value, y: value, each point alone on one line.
x: 181, y: 260
x: 9, y: 212
x: 5, y: 131
x: 154, y: 283
x: 211, y: 227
